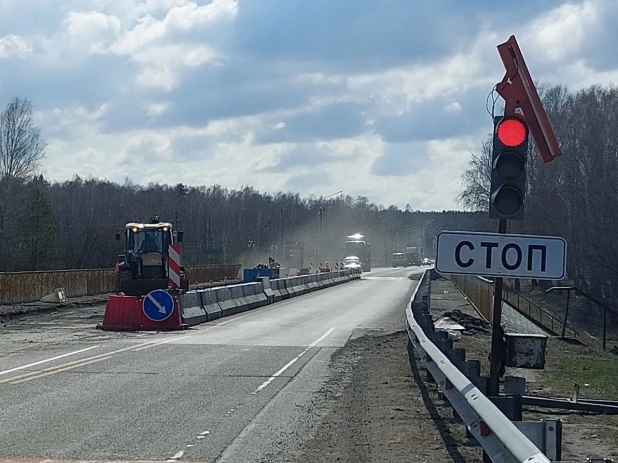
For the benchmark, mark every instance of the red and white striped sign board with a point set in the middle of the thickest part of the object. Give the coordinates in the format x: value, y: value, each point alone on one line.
x: 173, y: 265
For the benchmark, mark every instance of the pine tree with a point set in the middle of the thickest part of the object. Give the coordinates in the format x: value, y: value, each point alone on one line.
x: 39, y: 247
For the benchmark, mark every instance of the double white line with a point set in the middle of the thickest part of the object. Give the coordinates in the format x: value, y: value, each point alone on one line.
x: 76, y: 363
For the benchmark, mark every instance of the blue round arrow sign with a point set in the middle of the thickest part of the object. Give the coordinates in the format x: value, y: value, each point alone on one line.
x: 158, y: 305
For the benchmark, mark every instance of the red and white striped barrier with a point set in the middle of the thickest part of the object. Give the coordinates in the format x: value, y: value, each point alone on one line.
x: 174, y: 266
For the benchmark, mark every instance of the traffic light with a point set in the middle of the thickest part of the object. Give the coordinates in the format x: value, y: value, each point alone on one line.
x: 508, y: 172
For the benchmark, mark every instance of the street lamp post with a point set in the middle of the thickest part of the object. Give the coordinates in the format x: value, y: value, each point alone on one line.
x: 568, y: 289
x: 321, y: 214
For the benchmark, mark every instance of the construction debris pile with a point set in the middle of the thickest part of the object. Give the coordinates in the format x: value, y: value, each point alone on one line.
x: 456, y: 323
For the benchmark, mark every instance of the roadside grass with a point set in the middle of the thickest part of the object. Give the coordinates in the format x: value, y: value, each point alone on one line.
x: 596, y: 372
x: 585, y: 435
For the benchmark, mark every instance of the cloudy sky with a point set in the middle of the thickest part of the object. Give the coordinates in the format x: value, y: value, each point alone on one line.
x: 382, y: 98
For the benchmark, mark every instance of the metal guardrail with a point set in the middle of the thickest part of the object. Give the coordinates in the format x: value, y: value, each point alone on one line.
x: 502, y: 441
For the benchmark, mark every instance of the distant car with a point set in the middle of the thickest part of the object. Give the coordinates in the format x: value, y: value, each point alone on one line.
x: 352, y: 262
x: 426, y: 261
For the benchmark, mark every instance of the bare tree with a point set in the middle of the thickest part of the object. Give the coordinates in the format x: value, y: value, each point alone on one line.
x: 21, y: 149
x: 21, y: 146
x: 477, y: 181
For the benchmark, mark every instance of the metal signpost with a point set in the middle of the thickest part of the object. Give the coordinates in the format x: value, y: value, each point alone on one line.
x: 523, y: 115
x: 501, y: 255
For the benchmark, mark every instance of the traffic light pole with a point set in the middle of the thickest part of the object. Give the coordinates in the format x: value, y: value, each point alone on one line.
x: 497, y: 343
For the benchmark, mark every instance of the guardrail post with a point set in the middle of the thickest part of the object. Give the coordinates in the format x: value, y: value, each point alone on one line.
x: 459, y: 356
x: 440, y: 336
x: 473, y: 369
x: 481, y: 383
x: 426, y: 322
x: 511, y: 406
x: 514, y: 385
x: 445, y: 345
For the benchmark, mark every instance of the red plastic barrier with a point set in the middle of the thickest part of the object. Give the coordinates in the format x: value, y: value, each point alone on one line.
x: 125, y: 313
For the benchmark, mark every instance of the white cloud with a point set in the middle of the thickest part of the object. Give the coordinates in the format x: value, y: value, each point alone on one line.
x: 160, y: 59
x: 91, y: 26
x: 561, y: 33
x: 373, y: 97
x: 13, y: 46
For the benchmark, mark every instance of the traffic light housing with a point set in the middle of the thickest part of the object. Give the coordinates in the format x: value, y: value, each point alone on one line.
x: 508, y: 172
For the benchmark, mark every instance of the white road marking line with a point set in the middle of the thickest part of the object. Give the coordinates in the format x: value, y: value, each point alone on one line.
x: 293, y: 361
x: 163, y: 342
x: 42, y: 375
x: 87, y: 360
x: 234, y: 319
x: 6, y: 372
x: 322, y: 338
x: 178, y: 455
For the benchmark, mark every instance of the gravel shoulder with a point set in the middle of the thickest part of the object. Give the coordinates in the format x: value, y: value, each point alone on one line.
x: 584, y: 435
x: 379, y: 410
x: 39, y: 324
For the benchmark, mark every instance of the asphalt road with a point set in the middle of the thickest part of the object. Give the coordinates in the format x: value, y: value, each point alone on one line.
x: 226, y: 391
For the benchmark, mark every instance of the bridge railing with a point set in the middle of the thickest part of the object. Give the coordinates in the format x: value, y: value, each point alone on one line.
x: 20, y: 287
x: 480, y: 293
x: 534, y: 312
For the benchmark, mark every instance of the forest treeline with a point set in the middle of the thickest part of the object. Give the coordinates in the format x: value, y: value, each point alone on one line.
x: 72, y: 224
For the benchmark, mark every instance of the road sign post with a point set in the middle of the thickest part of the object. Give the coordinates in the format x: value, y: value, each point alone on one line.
x: 496, y: 355
x: 508, y: 184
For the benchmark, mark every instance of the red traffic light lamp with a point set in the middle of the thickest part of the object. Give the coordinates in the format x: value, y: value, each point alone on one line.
x: 508, y: 174
x: 512, y: 131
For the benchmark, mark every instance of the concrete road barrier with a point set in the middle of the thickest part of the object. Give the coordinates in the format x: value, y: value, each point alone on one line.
x: 260, y: 294
x: 290, y: 286
x: 268, y: 290
x: 226, y: 302
x: 248, y: 292
x: 210, y: 304
x: 238, y: 297
x: 191, y: 308
x: 282, y: 288
x: 313, y: 282
x: 204, y: 305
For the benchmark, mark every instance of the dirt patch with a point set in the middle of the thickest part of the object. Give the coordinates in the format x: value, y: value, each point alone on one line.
x: 60, y: 324
x: 382, y: 411
x: 16, y: 312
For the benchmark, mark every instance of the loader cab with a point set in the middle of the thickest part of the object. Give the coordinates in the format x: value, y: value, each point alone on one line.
x: 146, y: 254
